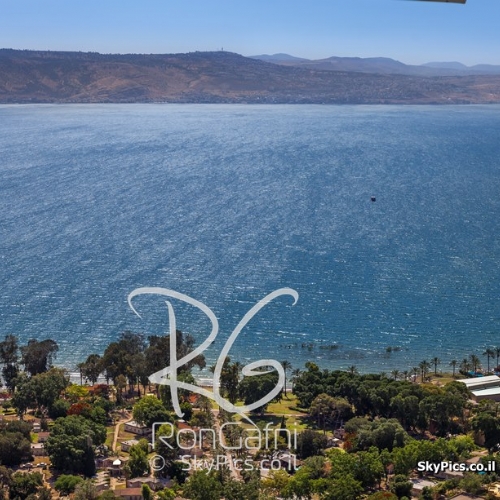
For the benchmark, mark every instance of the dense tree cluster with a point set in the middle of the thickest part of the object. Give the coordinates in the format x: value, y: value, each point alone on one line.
x: 377, y: 396
x: 71, y: 444
x: 15, y: 443
x: 380, y: 414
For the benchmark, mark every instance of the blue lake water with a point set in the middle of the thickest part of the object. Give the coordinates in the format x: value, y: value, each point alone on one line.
x: 226, y: 203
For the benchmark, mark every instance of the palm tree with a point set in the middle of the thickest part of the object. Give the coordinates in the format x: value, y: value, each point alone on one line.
x: 296, y: 373
x: 475, y: 362
x: 424, y: 368
x: 405, y: 374
x: 465, y: 365
x: 395, y: 374
x: 497, y: 353
x: 453, y: 364
x: 415, y: 371
x: 435, y: 361
x: 489, y: 353
x: 286, y: 366
x: 352, y: 370
x: 80, y: 367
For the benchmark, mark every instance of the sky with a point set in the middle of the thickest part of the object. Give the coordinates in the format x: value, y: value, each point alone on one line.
x: 413, y: 32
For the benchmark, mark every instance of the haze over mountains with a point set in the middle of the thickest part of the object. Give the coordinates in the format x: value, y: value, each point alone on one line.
x: 382, y: 65
x: 225, y: 77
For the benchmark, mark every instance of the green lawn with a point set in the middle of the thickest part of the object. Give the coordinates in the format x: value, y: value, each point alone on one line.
x: 295, y: 419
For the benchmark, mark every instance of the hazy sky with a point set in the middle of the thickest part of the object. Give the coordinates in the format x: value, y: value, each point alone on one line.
x: 410, y: 31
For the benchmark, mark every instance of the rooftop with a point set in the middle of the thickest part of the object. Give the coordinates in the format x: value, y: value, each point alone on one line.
x: 479, y: 381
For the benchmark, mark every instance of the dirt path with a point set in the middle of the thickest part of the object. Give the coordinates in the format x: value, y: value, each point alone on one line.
x: 125, y: 418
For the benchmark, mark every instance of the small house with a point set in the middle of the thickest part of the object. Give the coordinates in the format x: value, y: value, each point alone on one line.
x: 134, y: 428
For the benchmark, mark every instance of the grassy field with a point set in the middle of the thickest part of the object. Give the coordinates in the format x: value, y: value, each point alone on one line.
x: 110, y: 434
x: 274, y: 413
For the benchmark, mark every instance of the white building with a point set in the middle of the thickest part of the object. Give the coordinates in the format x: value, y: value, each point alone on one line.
x: 483, y: 387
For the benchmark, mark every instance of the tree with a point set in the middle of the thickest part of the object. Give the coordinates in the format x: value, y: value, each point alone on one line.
x: 44, y: 494
x: 75, y: 392
x: 158, y: 352
x: 382, y: 433
x: 453, y: 364
x: 10, y: 374
x: 489, y: 353
x: 166, y: 494
x: 436, y: 361
x: 490, y: 427
x: 138, y: 465
x: 203, y: 486
x: 92, y: 368
x: 344, y: 488
x: 465, y: 366
x: 86, y: 490
x: 39, y: 391
x: 472, y: 483
x: 168, y: 449
x: 296, y: 373
x: 322, y: 408
x: 14, y: 448
x: 150, y: 409
x: 24, y: 484
x: 5, y: 477
x: 310, y: 443
x: 497, y: 353
x: 286, y: 366
x: 71, y: 444
x: 369, y: 468
x: 424, y: 369
x: 241, y: 490
x: 117, y: 358
x: 229, y: 379
x: 48, y: 386
x: 9, y: 350
x: 254, y: 388
x: 475, y: 362
x: 326, y: 408
x: 59, y: 408
x: 120, y: 384
x: 9, y: 358
x: 15, y: 444
x: 441, y: 408
x: 15, y: 426
x: 66, y: 483
x: 401, y: 487
x: 147, y: 494
x: 37, y: 356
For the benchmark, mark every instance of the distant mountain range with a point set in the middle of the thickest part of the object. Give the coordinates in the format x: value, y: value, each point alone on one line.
x: 382, y: 65
x: 225, y: 77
